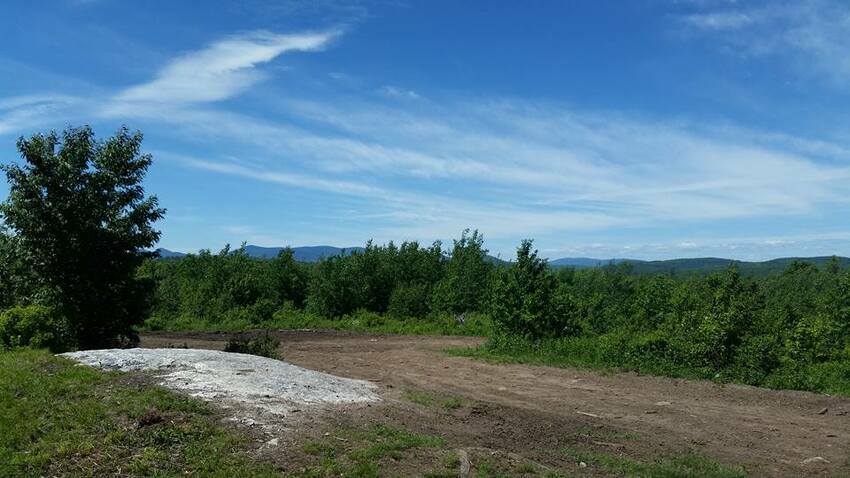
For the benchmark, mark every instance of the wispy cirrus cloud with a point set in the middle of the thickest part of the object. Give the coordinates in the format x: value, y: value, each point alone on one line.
x: 513, y: 165
x: 719, y: 20
x: 813, y: 35
x: 429, y: 168
x: 222, y: 70
x: 19, y: 113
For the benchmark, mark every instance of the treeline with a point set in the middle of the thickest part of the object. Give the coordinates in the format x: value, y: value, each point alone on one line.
x: 787, y: 330
x: 229, y: 289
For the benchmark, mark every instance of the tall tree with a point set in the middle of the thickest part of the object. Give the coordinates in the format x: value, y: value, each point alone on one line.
x: 463, y: 288
x: 82, y: 223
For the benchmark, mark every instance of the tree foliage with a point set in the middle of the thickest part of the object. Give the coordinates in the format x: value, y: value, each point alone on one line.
x: 80, y: 225
x: 465, y: 283
x: 527, y: 299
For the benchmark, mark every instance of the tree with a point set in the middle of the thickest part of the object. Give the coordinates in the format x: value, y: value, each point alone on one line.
x: 82, y: 223
x: 463, y: 288
x: 289, y: 278
x: 526, y: 298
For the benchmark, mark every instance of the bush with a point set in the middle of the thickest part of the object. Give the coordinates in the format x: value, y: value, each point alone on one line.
x: 410, y: 300
x: 35, y: 326
x: 526, y: 299
x: 264, y: 346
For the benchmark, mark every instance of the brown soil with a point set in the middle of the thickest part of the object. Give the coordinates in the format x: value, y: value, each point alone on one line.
x: 521, y: 412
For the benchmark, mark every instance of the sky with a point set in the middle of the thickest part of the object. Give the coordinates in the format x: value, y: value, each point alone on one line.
x: 647, y: 129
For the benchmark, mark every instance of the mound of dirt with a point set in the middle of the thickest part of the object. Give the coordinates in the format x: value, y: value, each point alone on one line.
x: 262, y: 389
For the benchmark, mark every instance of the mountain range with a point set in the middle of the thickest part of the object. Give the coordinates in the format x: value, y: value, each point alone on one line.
x: 689, y: 265
x: 301, y: 254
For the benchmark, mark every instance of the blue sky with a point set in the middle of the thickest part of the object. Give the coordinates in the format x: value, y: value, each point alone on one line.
x: 645, y: 129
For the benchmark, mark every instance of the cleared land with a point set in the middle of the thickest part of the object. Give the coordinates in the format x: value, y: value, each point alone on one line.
x: 517, y: 419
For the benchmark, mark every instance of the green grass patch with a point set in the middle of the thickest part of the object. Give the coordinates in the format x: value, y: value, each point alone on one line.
x: 420, y: 397
x: 680, y: 466
x: 353, y: 452
x: 363, y: 321
x: 452, y: 403
x: 62, y: 419
x: 429, y: 399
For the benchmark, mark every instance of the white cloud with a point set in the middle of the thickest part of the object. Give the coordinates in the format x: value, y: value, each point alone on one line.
x: 397, y: 92
x: 515, y: 166
x: 224, y: 69
x: 812, y: 35
x: 425, y: 169
x: 719, y: 21
x: 19, y: 114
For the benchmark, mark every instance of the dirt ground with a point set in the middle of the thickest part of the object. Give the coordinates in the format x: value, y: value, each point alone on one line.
x: 535, y: 413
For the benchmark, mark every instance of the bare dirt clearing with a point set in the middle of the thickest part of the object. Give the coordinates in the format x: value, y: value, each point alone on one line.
x: 539, y: 414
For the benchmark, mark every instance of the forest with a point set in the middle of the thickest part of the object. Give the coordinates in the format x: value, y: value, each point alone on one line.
x: 782, y: 330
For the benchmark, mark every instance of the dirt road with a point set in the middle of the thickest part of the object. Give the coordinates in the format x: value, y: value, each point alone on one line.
x: 534, y: 411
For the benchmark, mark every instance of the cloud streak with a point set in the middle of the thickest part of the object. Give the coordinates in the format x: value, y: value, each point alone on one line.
x: 812, y: 35
x: 223, y: 70
x: 431, y: 167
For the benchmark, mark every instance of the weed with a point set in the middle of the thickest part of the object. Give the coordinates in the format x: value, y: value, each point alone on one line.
x: 264, y: 346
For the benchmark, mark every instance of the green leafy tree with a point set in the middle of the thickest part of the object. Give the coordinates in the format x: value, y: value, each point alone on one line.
x: 709, y: 336
x: 464, y: 286
x: 526, y: 299
x: 289, y: 277
x: 15, y: 280
x: 82, y: 223
x: 334, y: 288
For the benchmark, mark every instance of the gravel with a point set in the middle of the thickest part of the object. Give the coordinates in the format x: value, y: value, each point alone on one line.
x: 262, y: 390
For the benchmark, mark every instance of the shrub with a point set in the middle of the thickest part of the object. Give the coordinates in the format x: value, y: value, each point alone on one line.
x: 35, y: 326
x: 264, y: 345
x: 464, y: 285
x: 526, y: 300
x: 410, y: 300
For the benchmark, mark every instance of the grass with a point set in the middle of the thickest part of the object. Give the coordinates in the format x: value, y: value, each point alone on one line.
x: 420, y: 397
x: 61, y: 419
x: 603, y: 354
x: 353, y: 452
x: 684, y: 465
x: 362, y: 321
x: 382, y: 450
x: 429, y: 399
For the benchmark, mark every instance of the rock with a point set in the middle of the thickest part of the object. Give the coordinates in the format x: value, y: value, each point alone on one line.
x: 273, y: 442
x: 263, y: 390
x: 582, y: 464
x: 662, y: 404
x: 815, y: 459
x: 823, y: 411
x: 649, y: 412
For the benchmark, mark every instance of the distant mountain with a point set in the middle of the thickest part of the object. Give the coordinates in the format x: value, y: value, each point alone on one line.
x: 166, y: 254
x: 698, y: 265
x: 301, y: 254
x: 583, y: 262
